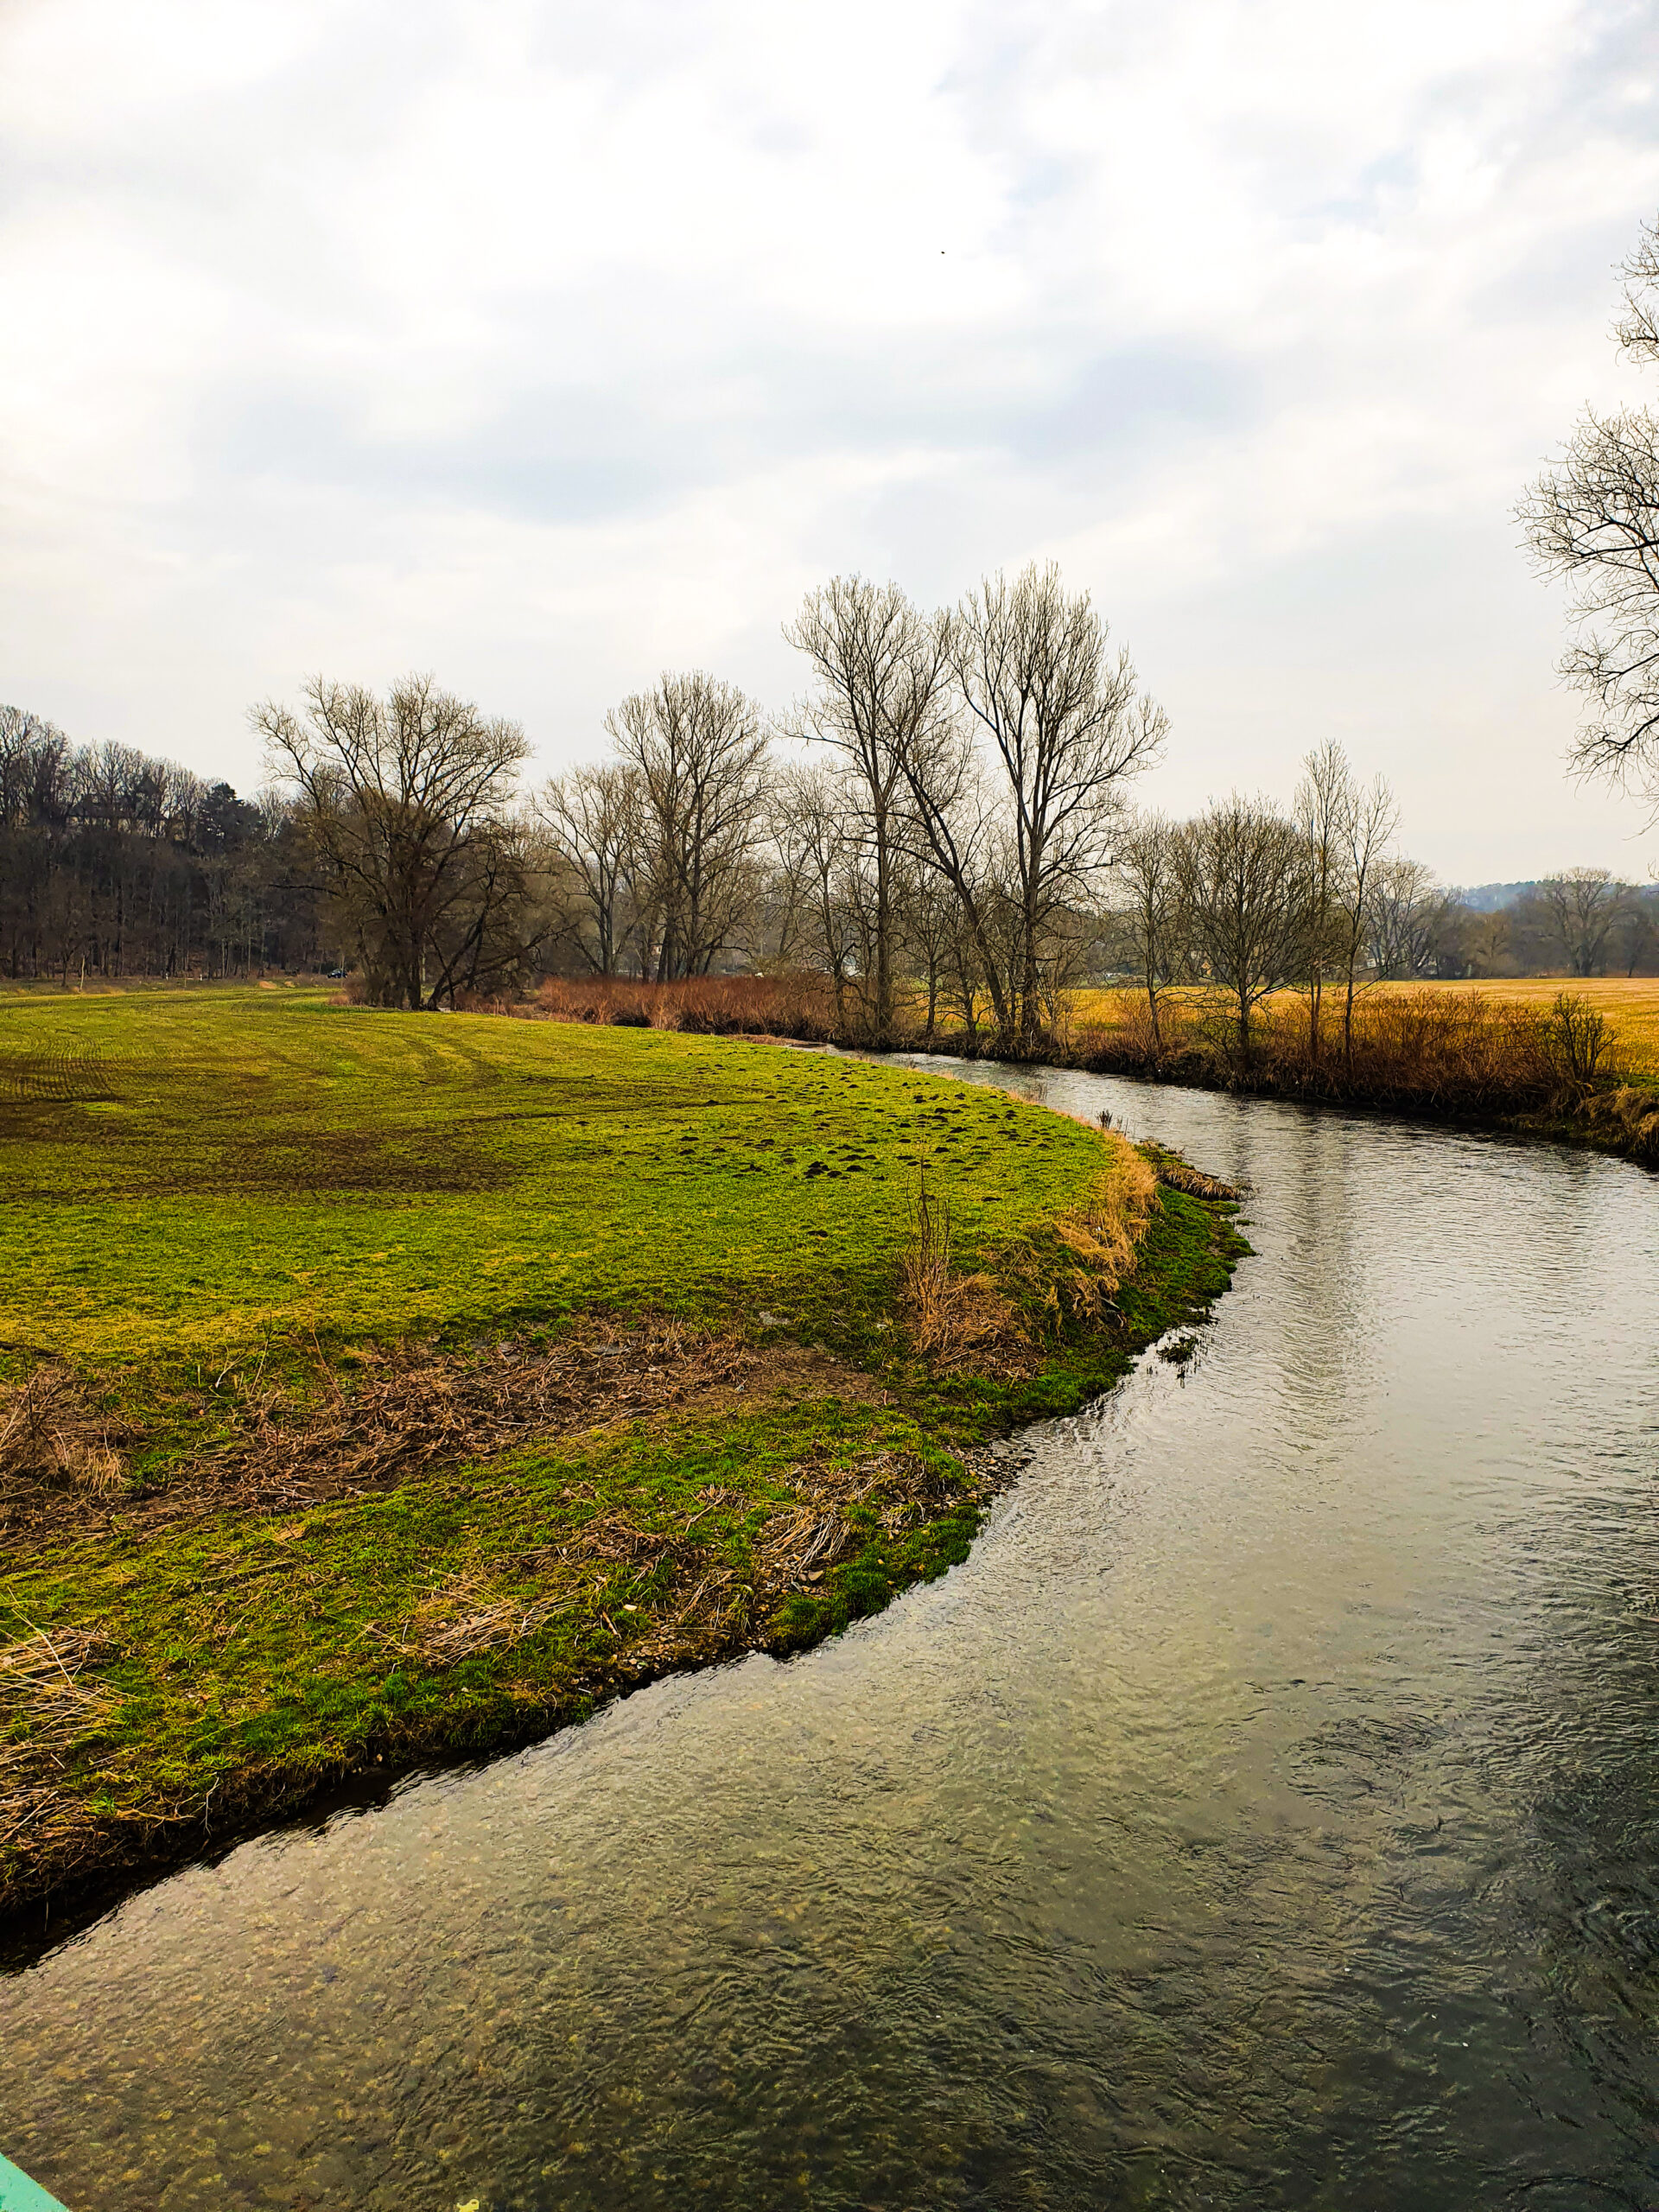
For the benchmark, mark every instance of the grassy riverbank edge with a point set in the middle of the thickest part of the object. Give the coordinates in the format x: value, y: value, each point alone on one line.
x: 905, y: 1479
x: 1532, y: 1082
x: 377, y: 1391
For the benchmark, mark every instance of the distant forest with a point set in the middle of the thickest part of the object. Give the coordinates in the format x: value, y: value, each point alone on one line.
x: 114, y: 864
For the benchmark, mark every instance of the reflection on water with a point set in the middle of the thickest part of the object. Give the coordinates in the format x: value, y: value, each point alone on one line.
x: 1265, y: 1816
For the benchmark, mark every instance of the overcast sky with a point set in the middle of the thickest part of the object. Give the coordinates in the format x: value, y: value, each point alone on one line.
x: 548, y: 346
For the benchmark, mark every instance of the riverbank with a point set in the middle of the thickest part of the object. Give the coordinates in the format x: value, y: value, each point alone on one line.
x: 1618, y: 1117
x: 381, y: 1388
x: 1570, y: 1060
x: 1557, y: 1067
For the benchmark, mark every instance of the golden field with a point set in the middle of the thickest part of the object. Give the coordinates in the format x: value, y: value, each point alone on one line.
x: 1630, y: 1004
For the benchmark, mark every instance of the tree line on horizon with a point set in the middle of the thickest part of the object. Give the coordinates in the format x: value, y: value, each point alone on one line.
x: 943, y: 823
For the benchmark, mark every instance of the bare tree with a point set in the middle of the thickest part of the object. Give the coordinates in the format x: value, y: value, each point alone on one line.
x: 1405, y: 911
x: 878, y: 665
x: 1067, y: 726
x: 967, y: 974
x: 1593, y: 519
x: 1240, y: 865
x: 1146, y: 864
x: 404, y: 800
x: 1369, y: 818
x: 699, y: 749
x: 1638, y: 935
x: 931, y: 922
x: 951, y: 830
x: 1326, y: 804
x: 817, y: 837
x: 1584, y: 905
x: 1489, y: 936
x: 594, y: 816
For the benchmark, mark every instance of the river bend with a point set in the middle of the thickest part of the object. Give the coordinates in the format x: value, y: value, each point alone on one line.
x: 1266, y: 1815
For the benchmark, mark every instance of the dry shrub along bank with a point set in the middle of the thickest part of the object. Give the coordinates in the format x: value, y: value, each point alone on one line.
x: 1556, y: 1064
x: 798, y: 1007
x: 1629, y: 1005
x: 378, y: 1385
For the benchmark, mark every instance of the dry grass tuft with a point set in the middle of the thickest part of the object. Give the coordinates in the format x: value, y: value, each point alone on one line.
x: 951, y: 1318
x: 454, y: 1625
x: 1101, y: 1235
x: 46, y: 1708
x: 53, y: 1436
x: 955, y: 1319
x: 1178, y: 1175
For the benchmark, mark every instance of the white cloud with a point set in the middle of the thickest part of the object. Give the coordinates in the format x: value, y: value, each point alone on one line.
x: 546, y: 347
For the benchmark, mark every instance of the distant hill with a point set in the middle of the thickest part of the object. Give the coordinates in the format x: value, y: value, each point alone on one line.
x: 1487, y: 898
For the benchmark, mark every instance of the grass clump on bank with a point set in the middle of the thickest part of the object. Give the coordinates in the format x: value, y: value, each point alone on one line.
x: 380, y: 1386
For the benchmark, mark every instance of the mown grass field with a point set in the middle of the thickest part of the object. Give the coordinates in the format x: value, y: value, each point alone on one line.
x: 185, y: 1173
x: 221, y: 1209
x: 1630, y: 1004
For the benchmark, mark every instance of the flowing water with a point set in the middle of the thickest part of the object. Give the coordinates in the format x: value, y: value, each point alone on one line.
x: 1266, y: 1815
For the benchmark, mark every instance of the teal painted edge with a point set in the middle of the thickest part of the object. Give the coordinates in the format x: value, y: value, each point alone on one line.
x: 19, y: 2193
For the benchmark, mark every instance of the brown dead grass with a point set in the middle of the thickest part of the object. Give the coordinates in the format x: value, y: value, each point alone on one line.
x: 798, y: 1007
x: 46, y: 1708
x: 986, y: 1320
x: 704, y: 1611
x: 54, y: 1439
x: 407, y: 1411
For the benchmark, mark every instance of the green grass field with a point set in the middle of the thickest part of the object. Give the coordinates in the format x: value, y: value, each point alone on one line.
x: 184, y: 1174
x: 216, y: 1206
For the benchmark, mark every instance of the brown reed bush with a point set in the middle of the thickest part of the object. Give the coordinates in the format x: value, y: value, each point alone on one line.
x: 801, y: 1007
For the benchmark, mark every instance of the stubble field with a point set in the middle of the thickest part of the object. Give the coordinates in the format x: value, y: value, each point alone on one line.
x: 1630, y: 1003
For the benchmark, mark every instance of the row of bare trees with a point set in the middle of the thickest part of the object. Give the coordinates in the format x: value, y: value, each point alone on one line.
x: 1248, y: 899
x: 938, y: 813
x: 941, y: 827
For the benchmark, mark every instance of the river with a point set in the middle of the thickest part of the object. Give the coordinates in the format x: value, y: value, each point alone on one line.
x: 1266, y: 1815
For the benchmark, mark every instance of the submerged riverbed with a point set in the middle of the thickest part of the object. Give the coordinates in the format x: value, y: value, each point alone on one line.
x: 1266, y: 1815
